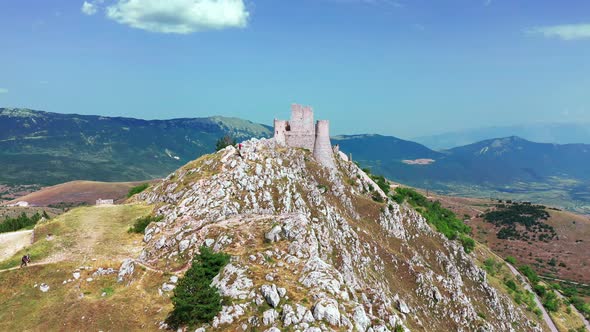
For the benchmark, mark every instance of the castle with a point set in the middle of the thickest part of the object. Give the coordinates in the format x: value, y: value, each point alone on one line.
x: 301, y: 132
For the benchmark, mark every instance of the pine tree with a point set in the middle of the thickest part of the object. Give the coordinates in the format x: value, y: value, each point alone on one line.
x: 195, y: 300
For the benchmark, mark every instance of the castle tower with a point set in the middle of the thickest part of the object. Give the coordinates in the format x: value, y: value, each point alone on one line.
x: 322, y: 150
x: 300, y: 132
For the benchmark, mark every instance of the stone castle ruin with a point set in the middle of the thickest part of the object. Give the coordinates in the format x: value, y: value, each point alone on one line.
x: 302, y: 132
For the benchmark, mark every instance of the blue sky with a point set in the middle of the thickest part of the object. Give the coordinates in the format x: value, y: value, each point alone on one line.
x: 405, y: 68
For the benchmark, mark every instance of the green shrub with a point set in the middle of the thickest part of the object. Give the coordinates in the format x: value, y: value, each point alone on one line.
x: 467, y: 242
x: 20, y: 222
x: 224, y: 141
x: 530, y: 274
x: 444, y: 220
x: 511, y: 260
x: 137, y: 189
x: 551, y: 301
x: 510, y: 284
x: 142, y: 223
x: 195, y: 300
x: 540, y: 290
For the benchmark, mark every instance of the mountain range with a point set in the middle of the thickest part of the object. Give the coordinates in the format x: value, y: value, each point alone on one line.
x: 50, y: 148
x: 561, y: 133
x: 509, y: 167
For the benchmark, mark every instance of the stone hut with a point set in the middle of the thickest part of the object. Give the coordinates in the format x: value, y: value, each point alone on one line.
x: 302, y: 132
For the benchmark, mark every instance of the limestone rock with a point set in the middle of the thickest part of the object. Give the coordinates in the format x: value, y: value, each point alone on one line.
x: 274, y: 234
x: 403, y: 307
x: 327, y: 310
x: 269, y: 316
x: 126, y: 269
x: 183, y: 245
x: 271, y: 295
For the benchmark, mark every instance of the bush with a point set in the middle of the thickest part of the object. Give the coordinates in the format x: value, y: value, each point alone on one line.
x: 195, y: 300
x: 142, y: 223
x: 20, y: 222
x: 540, y: 290
x: 467, y: 242
x: 444, y: 220
x: 511, y: 284
x: 530, y: 274
x: 550, y: 301
x: 511, y: 260
x: 137, y: 189
x: 225, y: 141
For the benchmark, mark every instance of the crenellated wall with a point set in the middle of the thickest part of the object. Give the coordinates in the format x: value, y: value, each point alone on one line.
x: 301, y: 132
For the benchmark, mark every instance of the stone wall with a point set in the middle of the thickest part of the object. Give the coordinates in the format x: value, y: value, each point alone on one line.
x: 300, y: 130
x: 280, y: 129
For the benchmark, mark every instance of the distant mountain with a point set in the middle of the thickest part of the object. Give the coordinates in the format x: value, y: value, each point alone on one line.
x: 504, y: 167
x: 385, y: 148
x: 560, y: 133
x: 49, y: 148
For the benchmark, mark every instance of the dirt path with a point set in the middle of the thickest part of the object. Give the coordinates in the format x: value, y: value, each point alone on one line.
x: 566, y: 281
x: 527, y: 286
x: 12, y: 242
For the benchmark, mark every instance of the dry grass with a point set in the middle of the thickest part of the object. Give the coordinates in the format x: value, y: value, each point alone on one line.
x: 79, y: 192
x: 570, y: 248
x: 84, y: 237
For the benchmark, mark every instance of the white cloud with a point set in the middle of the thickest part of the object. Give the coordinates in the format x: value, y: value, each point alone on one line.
x: 179, y: 16
x: 89, y: 8
x: 2, y: 90
x: 565, y: 31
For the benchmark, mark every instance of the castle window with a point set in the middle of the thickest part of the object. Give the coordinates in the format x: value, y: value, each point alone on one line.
x: 288, y: 127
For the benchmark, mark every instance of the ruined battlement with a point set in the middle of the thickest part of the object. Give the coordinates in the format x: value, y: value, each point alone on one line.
x: 301, y: 132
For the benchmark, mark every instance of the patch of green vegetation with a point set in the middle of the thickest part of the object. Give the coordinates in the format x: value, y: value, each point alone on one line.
x: 67, y: 205
x: 195, y: 300
x: 491, y: 266
x: 107, y: 291
x: 224, y: 142
x: 21, y: 222
x: 444, y: 220
x: 381, y: 182
x: 548, y: 297
x: 509, y: 216
x: 137, y: 189
x: 142, y: 223
x: 574, y: 293
x: 510, y: 260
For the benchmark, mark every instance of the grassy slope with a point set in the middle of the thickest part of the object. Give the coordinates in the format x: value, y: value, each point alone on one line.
x: 90, y: 237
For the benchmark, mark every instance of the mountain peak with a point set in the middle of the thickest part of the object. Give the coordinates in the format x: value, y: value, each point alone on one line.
x: 324, y: 247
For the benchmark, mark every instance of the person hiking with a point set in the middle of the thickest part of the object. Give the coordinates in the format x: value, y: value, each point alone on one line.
x: 240, y: 150
x: 25, y: 260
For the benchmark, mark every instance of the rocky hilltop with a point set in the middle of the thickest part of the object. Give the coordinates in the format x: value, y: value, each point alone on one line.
x: 318, y: 249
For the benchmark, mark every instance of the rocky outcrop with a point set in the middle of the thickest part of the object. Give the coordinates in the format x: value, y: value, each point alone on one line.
x: 311, y: 250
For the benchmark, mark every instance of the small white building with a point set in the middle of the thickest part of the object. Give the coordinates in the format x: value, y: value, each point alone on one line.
x: 104, y: 202
x: 19, y: 204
